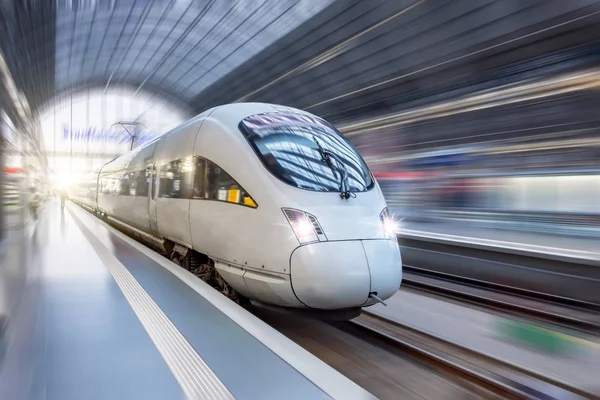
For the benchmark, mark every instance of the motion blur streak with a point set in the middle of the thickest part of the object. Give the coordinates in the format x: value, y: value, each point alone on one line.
x: 487, y: 99
x: 354, y: 160
x: 449, y: 61
x: 331, y: 53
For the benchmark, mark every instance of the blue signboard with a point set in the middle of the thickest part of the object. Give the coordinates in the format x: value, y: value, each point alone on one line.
x: 94, y: 134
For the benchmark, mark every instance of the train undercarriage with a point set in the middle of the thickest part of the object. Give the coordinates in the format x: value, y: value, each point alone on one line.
x: 198, y: 264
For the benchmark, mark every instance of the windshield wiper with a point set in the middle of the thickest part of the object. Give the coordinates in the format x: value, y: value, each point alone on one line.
x: 327, y: 156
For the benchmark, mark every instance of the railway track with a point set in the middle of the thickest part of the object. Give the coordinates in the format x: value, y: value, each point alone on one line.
x: 548, y: 275
x: 393, y: 361
x: 383, y: 369
x: 496, y: 377
x: 566, y: 312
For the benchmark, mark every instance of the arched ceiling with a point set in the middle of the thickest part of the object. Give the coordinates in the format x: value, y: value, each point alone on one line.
x: 174, y: 48
x: 345, y: 60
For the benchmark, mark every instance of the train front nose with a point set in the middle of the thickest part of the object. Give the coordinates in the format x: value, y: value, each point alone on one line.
x: 342, y: 274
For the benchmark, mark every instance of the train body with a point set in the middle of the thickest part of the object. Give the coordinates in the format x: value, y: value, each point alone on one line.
x: 283, y: 205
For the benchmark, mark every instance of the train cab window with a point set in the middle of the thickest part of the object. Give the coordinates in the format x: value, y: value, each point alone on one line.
x: 176, y: 179
x: 220, y: 186
x: 306, y: 152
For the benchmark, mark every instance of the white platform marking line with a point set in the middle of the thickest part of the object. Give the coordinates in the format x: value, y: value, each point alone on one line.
x: 196, y: 378
x: 318, y: 372
x: 181, y: 366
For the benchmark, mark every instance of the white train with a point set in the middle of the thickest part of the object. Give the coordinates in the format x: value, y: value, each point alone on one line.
x: 270, y: 199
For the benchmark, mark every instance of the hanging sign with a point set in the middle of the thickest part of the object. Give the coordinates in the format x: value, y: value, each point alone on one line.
x: 95, y: 134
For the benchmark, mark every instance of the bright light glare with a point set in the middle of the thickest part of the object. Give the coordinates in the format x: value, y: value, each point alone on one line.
x: 78, y: 131
x: 301, y: 225
x: 187, y: 165
x: 390, y: 227
x: 389, y: 224
x: 303, y: 228
x: 62, y: 181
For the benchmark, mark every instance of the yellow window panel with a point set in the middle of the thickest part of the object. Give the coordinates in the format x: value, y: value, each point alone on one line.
x: 233, y: 196
x: 248, y: 201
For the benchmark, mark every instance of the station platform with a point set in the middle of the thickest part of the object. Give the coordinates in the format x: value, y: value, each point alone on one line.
x: 576, y: 363
x: 586, y: 250
x: 12, y: 255
x: 103, y: 317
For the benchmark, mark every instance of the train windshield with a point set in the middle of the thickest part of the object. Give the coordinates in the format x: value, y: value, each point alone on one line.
x: 292, y: 147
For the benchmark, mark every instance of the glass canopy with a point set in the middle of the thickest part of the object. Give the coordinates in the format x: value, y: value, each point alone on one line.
x: 178, y: 47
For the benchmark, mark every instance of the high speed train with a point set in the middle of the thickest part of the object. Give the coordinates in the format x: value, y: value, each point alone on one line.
x: 265, y: 202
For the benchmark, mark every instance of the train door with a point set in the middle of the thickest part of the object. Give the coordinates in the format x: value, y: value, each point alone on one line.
x: 152, y: 195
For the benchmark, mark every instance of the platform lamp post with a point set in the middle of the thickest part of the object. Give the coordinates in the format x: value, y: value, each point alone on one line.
x: 132, y: 135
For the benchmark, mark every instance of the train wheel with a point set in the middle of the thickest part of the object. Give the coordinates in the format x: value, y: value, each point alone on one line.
x: 175, y: 258
x: 182, y: 261
x: 190, y: 261
x: 224, y: 287
x: 228, y: 291
x: 203, y: 267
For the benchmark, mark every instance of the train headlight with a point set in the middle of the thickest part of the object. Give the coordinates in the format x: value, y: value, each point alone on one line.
x: 388, y: 224
x: 302, y: 226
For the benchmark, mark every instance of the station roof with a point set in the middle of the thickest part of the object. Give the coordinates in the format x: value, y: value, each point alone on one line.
x: 360, y: 60
x: 345, y: 60
x: 172, y: 48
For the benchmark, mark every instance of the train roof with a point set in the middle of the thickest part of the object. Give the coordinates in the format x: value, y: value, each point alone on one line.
x: 236, y: 110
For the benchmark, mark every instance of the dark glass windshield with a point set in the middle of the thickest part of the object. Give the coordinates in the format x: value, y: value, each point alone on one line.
x: 292, y: 146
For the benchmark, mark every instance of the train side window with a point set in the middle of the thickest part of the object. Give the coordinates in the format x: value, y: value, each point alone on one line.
x: 114, y: 184
x: 186, y: 175
x: 142, y: 182
x: 176, y: 179
x: 199, y: 178
x: 165, y: 187
x: 123, y: 183
x: 220, y: 186
x: 154, y: 182
x: 111, y: 185
x: 133, y: 183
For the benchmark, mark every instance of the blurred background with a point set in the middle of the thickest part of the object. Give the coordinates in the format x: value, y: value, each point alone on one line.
x: 479, y: 119
x: 483, y: 112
